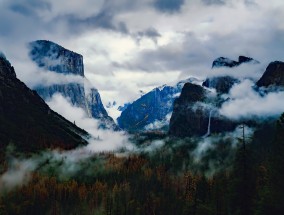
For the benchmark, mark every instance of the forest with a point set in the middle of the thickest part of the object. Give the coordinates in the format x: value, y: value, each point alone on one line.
x: 240, y: 180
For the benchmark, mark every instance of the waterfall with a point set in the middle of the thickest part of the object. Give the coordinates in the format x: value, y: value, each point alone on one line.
x: 209, y: 124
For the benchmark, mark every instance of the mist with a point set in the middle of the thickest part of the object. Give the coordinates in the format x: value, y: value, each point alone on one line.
x: 102, y: 140
x: 246, y: 103
x: 18, y: 174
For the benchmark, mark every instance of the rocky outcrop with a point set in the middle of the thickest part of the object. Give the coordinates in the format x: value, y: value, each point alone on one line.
x: 26, y: 120
x: 273, y: 75
x: 222, y: 84
x: 194, y: 114
x: 53, y: 57
x: 226, y: 62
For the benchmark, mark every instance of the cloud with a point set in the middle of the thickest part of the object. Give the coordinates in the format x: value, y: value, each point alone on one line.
x: 216, y: 152
x: 102, y: 140
x: 168, y: 6
x: 17, y: 174
x: 151, y: 33
x: 158, y: 124
x: 25, y: 69
x: 246, y: 103
x: 29, y: 8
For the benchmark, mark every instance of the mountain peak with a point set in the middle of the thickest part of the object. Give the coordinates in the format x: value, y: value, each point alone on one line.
x: 227, y: 62
x: 223, y: 62
x: 244, y: 59
x: 273, y: 75
x: 53, y: 57
x: 192, y: 92
x: 5, y: 67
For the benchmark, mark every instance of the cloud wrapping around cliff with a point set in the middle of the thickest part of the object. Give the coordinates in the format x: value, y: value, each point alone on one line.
x: 102, y: 140
x: 246, y: 103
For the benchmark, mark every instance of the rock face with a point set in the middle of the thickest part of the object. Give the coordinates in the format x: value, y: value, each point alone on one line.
x: 53, y: 57
x: 195, y: 115
x: 26, y: 120
x: 273, y: 75
x: 226, y: 62
x: 222, y: 84
x: 152, y: 110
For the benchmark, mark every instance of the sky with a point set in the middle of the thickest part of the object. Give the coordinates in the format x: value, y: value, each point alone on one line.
x: 134, y: 45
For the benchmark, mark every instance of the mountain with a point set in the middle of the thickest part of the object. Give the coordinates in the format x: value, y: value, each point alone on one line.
x: 223, y: 84
x: 273, y: 75
x: 226, y: 62
x: 122, y: 108
x: 152, y: 110
x: 195, y: 113
x: 26, y: 120
x: 53, y: 57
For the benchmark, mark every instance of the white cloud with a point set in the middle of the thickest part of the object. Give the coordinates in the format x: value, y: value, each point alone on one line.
x: 102, y: 140
x: 17, y: 174
x: 246, y: 103
x: 157, y: 124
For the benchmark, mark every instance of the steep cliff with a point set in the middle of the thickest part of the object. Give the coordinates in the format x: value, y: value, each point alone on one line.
x: 273, y: 75
x: 195, y: 114
x: 53, y: 57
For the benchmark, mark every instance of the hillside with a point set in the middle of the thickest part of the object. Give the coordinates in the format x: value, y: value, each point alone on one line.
x: 26, y: 120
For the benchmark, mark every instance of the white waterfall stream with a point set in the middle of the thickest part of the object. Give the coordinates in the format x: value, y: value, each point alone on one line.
x: 209, y: 124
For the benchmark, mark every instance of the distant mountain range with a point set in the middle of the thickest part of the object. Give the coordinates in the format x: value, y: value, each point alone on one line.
x: 188, y: 108
x: 53, y: 57
x: 152, y: 111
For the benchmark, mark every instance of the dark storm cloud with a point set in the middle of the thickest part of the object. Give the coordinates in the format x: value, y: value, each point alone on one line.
x: 168, y: 6
x: 151, y: 33
x: 106, y: 20
x: 103, y: 20
x: 29, y: 8
x: 40, y: 15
